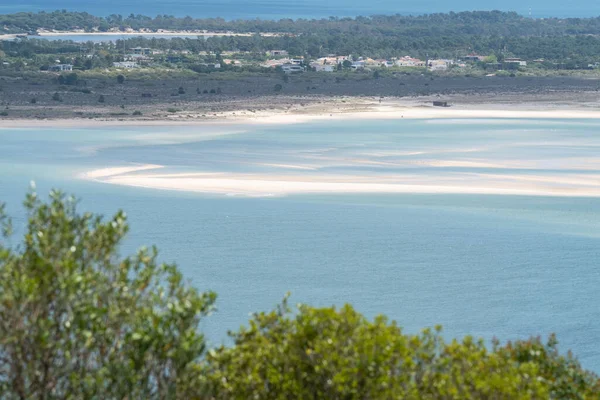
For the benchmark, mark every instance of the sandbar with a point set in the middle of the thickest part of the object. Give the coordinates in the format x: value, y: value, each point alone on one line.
x: 237, y: 184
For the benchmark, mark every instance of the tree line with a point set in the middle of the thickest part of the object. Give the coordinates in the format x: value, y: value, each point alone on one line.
x: 572, y: 51
x: 572, y: 43
x: 469, y: 23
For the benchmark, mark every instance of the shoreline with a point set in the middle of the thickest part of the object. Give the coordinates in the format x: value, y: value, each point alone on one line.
x: 331, y: 111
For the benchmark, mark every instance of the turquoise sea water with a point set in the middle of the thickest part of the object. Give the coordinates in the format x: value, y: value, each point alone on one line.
x: 276, y: 9
x: 488, y: 265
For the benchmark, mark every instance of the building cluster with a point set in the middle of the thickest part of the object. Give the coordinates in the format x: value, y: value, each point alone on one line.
x: 141, y: 56
x: 334, y: 62
x: 61, y: 67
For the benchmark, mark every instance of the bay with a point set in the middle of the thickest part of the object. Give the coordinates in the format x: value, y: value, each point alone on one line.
x: 504, y: 266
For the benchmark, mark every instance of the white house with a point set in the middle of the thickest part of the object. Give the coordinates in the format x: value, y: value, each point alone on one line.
x: 332, y: 60
x: 408, y: 61
x: 61, y: 67
x: 440, y: 65
x: 125, y: 64
x: 384, y: 63
x: 358, y: 64
x: 518, y: 61
x: 292, y: 68
x: 141, y: 50
x: 323, y: 67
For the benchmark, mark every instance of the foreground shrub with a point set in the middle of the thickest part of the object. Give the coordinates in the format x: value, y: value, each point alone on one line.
x: 329, y: 353
x: 77, y: 321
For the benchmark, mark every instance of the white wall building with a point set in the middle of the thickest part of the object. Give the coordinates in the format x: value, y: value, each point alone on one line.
x: 521, y: 63
x: 440, y: 65
x: 408, y: 61
x: 292, y: 68
x: 61, y: 67
x: 125, y: 64
x: 324, y: 67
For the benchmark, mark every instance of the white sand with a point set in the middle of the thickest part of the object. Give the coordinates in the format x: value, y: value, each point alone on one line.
x: 279, y: 185
x: 109, y: 172
x: 370, y: 111
x: 132, y: 33
x: 160, y: 32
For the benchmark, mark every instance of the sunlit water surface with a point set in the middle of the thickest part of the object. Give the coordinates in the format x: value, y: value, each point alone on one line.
x: 503, y: 266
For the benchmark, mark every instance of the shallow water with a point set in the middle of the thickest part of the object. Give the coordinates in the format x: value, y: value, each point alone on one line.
x: 504, y: 266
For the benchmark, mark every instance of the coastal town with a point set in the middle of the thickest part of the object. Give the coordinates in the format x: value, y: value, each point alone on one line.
x: 280, y: 59
x: 74, y: 65
x: 277, y: 60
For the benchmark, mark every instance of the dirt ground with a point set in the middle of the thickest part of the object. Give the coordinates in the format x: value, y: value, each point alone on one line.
x: 44, y: 98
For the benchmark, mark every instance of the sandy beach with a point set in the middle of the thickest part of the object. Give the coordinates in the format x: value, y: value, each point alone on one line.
x: 335, y: 109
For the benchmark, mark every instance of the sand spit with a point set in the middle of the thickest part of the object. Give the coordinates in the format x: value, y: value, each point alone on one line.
x: 281, y: 185
x: 110, y: 172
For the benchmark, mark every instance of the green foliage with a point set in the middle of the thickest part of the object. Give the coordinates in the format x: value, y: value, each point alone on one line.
x: 68, y: 79
x: 563, y: 44
x: 120, y: 79
x: 137, y: 113
x: 573, y: 42
x: 329, y: 353
x: 563, y: 374
x: 491, y: 59
x: 278, y: 87
x: 101, y: 99
x: 181, y: 90
x: 469, y: 22
x: 77, y: 321
x: 56, y: 97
